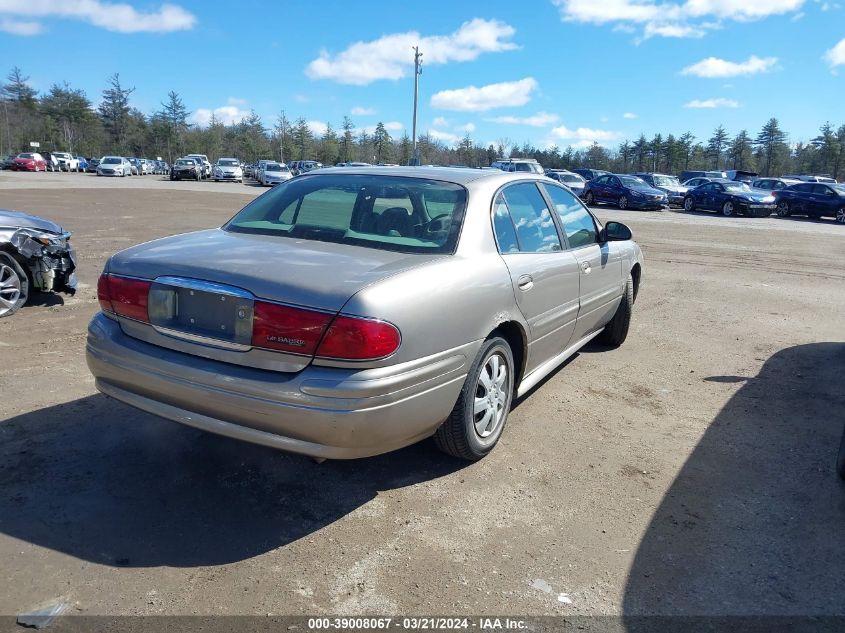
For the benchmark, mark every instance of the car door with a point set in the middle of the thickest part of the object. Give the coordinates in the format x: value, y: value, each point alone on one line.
x: 599, y: 187
x: 600, y: 265
x: 799, y: 201
x: 821, y: 200
x: 703, y: 195
x: 545, y: 277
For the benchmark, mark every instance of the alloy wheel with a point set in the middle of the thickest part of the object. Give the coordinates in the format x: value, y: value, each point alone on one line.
x: 623, y: 202
x: 10, y: 289
x: 688, y: 204
x: 728, y: 209
x: 840, y: 215
x: 783, y: 208
x: 491, y: 396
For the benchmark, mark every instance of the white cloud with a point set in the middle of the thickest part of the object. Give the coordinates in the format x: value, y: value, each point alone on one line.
x: 440, y: 122
x: 671, y: 18
x: 713, y: 67
x: 712, y: 103
x: 318, y: 128
x: 228, y: 114
x: 362, y: 111
x: 584, y: 136
x: 469, y: 128
x: 629, y: 115
x: 836, y: 55
x: 19, y: 27
x: 390, y: 56
x: 444, y: 137
x: 541, y: 119
x: 119, y: 17
x: 474, y: 99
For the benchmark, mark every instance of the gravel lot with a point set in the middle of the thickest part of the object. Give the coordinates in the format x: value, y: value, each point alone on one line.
x: 689, y: 472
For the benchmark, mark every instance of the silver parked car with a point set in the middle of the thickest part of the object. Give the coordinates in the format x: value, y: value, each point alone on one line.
x: 228, y: 169
x: 354, y: 311
x: 273, y: 174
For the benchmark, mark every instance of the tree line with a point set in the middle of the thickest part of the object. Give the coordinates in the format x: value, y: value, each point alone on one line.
x: 65, y: 119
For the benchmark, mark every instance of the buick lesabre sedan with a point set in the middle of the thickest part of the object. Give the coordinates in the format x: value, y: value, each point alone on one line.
x: 354, y: 311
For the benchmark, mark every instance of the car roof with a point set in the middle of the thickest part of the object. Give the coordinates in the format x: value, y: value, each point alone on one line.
x: 456, y: 175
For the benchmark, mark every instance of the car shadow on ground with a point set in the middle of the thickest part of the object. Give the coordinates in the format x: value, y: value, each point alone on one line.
x: 754, y: 521
x: 105, y: 483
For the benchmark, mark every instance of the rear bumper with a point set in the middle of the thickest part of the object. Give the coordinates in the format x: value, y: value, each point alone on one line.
x: 320, y: 411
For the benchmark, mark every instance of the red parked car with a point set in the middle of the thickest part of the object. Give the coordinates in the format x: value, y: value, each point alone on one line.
x: 29, y: 161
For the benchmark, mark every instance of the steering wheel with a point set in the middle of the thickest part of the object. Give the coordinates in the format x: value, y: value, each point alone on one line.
x: 428, y: 227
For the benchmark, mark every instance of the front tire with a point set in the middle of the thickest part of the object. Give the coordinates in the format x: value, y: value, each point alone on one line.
x: 479, y: 416
x: 14, y: 286
x: 689, y: 204
x: 783, y: 209
x: 622, y: 203
x: 616, y: 331
x: 728, y: 209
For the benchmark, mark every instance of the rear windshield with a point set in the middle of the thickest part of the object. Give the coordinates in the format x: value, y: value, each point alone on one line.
x: 409, y: 215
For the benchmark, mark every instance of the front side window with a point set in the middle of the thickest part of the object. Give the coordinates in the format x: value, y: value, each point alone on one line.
x: 535, y: 228
x: 382, y: 212
x: 578, y: 224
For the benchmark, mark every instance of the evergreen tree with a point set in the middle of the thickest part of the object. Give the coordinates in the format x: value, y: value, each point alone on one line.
x: 347, y: 140
x: 381, y: 143
x: 70, y: 109
x: 114, y: 111
x: 716, y: 145
x: 772, y: 148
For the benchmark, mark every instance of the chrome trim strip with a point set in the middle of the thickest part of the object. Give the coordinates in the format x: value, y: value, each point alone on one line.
x: 534, y: 378
x: 202, y: 340
x: 204, y: 286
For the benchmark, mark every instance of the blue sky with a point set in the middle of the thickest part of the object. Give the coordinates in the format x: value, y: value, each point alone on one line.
x: 566, y: 72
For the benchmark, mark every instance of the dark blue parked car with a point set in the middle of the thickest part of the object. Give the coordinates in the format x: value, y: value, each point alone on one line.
x: 590, y: 174
x: 813, y: 199
x: 626, y: 192
x: 730, y: 198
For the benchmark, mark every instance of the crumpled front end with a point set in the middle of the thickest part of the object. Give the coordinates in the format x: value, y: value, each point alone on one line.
x: 48, y: 257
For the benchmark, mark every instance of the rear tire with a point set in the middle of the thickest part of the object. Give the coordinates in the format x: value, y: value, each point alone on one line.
x: 480, y: 414
x: 616, y: 331
x: 840, y: 216
x: 14, y: 285
x: 622, y: 203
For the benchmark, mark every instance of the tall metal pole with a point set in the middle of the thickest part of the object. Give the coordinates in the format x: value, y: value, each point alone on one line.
x: 415, y: 160
x: 282, y: 140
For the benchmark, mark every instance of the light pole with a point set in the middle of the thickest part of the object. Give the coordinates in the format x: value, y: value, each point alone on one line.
x: 415, y: 160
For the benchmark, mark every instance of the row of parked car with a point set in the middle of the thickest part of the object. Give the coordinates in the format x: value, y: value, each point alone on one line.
x: 730, y: 193
x: 65, y: 161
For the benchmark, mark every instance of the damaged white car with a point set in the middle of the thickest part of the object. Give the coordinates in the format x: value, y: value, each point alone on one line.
x: 35, y: 255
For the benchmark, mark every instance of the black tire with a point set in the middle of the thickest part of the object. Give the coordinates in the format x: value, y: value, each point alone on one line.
x: 199, y: 177
x: 622, y: 203
x: 729, y: 211
x: 840, y: 216
x: 689, y: 204
x: 589, y: 199
x: 457, y: 436
x: 616, y: 331
x: 9, y: 264
x: 840, y: 460
x: 783, y: 209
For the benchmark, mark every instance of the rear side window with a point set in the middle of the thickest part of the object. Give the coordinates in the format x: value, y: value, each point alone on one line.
x: 503, y: 225
x: 578, y: 224
x: 535, y: 228
x: 410, y: 215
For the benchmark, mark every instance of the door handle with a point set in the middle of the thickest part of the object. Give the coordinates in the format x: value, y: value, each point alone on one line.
x: 586, y: 267
x: 525, y: 282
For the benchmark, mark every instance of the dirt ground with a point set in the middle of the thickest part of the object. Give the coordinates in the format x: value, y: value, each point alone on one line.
x: 688, y: 472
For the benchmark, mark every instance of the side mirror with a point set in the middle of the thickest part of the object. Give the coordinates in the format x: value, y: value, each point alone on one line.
x: 615, y: 232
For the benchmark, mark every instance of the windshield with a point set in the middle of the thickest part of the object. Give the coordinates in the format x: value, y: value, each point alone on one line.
x: 533, y: 168
x: 410, y: 215
x: 736, y: 186
x: 25, y: 156
x: 228, y: 163
x: 274, y: 167
x: 666, y: 181
x: 634, y: 183
x: 840, y: 189
x: 111, y: 160
x: 573, y: 178
x: 185, y: 161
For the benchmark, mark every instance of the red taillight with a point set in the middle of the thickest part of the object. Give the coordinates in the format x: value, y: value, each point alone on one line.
x: 123, y: 296
x: 350, y: 338
x: 287, y: 329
